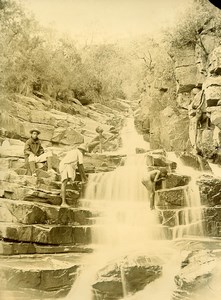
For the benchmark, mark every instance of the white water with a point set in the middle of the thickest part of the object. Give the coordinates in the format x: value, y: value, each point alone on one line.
x: 124, y: 223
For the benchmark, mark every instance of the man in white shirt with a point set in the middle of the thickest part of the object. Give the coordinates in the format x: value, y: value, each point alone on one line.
x: 68, y: 166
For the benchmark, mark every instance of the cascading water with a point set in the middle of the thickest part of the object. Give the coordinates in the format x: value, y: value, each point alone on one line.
x: 123, y: 222
x: 189, y: 218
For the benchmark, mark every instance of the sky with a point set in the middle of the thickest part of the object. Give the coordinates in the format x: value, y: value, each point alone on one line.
x: 101, y: 20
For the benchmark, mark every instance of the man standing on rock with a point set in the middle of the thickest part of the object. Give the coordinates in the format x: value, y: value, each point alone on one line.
x: 149, y: 181
x: 68, y: 166
x: 34, y: 153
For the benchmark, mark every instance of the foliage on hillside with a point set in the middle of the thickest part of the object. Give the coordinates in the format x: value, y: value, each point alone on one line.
x: 191, y: 22
x: 35, y: 60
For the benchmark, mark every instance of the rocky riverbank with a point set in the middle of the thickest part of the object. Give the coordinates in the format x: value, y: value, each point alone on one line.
x: 41, y: 243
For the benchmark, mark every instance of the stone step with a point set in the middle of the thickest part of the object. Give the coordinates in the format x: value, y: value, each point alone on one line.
x: 44, y: 190
x: 19, y: 248
x: 46, y: 234
x: 27, y: 193
x: 27, y: 212
x: 172, y: 198
x: 39, y: 273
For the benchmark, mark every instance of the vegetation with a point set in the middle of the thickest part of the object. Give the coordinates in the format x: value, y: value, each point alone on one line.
x: 191, y: 23
x: 35, y: 60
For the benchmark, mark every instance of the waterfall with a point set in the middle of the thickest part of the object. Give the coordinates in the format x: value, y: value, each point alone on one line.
x: 124, y: 223
x: 121, y: 201
x: 189, y: 218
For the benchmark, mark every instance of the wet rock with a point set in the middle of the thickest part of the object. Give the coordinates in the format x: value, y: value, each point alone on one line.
x: 167, y: 217
x: 175, y: 180
x: 196, y: 270
x: 195, y: 161
x: 137, y: 272
x: 212, y: 221
x: 173, y: 217
x: 210, y: 190
x: 172, y: 198
x: 82, y: 234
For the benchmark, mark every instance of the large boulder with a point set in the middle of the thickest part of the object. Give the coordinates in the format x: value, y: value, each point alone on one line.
x: 175, y: 180
x: 210, y: 190
x: 137, y: 272
x: 67, y: 136
x: 196, y: 271
x: 172, y: 198
x: 44, y: 274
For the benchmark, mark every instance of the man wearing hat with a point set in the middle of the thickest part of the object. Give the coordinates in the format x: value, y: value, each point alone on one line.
x: 68, y: 165
x: 34, y: 152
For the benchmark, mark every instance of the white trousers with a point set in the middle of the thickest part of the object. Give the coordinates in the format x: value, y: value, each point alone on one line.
x: 41, y: 158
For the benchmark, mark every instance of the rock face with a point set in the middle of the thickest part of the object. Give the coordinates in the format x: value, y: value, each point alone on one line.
x: 210, y: 190
x: 133, y: 273
x: 59, y: 123
x: 184, y: 112
x: 210, y: 193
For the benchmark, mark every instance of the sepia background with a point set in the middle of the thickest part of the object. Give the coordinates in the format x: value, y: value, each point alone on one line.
x: 138, y: 83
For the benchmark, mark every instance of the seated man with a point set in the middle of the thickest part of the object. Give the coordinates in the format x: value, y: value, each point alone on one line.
x: 34, y: 152
x: 101, y: 139
x: 68, y: 165
x: 149, y: 182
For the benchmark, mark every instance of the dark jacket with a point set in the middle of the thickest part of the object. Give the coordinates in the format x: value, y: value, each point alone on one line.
x: 33, y: 146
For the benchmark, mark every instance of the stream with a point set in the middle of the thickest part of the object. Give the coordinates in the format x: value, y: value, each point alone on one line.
x: 123, y: 223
